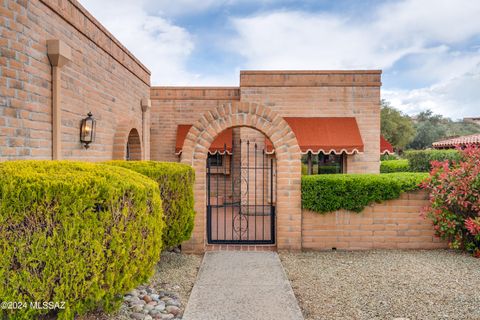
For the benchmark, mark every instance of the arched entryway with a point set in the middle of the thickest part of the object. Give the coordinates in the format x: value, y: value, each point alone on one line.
x: 241, y: 179
x: 288, y: 165
x: 134, y: 146
x: 127, y: 144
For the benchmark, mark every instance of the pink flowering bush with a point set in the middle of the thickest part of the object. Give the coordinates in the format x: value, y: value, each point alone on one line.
x: 454, y: 206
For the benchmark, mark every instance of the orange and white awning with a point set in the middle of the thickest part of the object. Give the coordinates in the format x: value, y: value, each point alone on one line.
x: 327, y: 135
x: 222, y: 144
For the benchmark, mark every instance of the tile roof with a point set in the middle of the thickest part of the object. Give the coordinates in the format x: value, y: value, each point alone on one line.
x: 453, y: 142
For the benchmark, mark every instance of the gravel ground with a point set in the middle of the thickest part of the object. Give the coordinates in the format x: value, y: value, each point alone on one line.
x: 438, y: 284
x: 175, y: 274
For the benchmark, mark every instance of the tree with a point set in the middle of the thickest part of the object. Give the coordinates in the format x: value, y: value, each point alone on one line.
x: 462, y: 128
x: 433, y: 127
x: 396, y: 127
x: 430, y: 128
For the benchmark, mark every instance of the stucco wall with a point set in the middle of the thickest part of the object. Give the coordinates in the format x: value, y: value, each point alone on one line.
x: 103, y: 77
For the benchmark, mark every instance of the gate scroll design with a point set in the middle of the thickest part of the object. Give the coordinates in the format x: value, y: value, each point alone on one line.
x: 241, y: 196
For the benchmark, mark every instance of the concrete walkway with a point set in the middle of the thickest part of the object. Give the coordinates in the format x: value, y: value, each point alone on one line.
x: 236, y: 285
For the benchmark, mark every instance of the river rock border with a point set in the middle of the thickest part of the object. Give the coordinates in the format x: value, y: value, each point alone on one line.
x: 146, y: 303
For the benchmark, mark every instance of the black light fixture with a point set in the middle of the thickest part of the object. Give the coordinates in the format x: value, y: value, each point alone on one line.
x: 87, y: 130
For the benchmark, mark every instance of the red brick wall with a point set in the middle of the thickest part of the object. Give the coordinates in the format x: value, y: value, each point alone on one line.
x: 394, y: 224
x: 103, y: 77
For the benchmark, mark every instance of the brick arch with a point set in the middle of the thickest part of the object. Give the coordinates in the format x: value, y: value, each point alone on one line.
x: 124, y: 129
x: 272, y: 125
x: 134, y: 145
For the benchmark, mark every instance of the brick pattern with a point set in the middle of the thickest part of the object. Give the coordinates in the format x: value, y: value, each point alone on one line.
x: 96, y: 80
x: 124, y: 130
x: 323, y: 94
x: 394, y: 224
x: 285, y: 93
x: 311, y: 78
x: 267, y: 121
x: 195, y: 93
x: 174, y: 106
x: 289, y: 93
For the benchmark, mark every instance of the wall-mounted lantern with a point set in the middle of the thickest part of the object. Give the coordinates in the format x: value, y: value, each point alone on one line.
x: 87, y: 130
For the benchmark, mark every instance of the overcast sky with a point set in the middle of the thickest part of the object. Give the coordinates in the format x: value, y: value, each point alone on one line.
x: 429, y: 50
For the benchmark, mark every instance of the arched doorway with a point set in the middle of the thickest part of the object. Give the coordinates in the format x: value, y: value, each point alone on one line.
x: 134, y: 146
x: 127, y: 136
x: 240, y: 188
x: 288, y: 168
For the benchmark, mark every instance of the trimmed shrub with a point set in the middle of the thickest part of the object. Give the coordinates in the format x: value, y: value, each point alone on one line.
x: 388, y: 166
x: 69, y: 232
x: 455, y: 200
x: 330, y: 192
x: 176, y: 190
x: 420, y: 160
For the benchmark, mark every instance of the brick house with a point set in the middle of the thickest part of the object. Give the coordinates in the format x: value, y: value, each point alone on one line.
x: 332, y: 116
x: 58, y: 63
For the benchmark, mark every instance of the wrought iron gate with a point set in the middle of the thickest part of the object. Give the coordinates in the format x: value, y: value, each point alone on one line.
x: 241, y: 196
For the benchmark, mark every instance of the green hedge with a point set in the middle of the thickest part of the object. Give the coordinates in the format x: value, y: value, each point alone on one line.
x: 176, y: 189
x: 389, y: 166
x: 419, y: 160
x: 75, y: 232
x: 326, y: 193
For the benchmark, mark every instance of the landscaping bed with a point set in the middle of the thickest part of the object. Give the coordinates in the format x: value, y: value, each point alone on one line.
x: 172, y: 283
x: 438, y: 284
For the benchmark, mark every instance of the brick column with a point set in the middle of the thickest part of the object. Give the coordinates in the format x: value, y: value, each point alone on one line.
x: 146, y: 106
x: 58, y: 54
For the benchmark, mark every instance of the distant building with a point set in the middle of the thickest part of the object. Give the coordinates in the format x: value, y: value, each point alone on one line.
x: 458, y: 141
x: 475, y: 120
